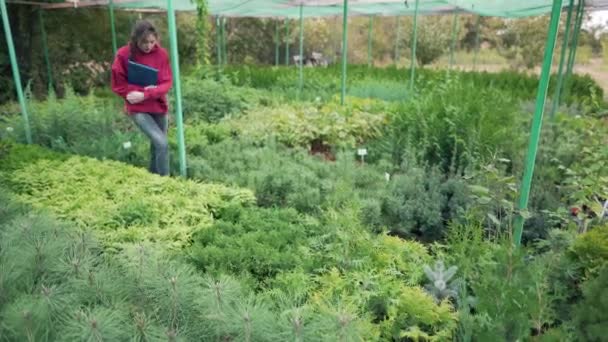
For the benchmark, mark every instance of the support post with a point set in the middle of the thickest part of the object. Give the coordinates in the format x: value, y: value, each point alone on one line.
x: 537, y: 121
x: 560, y: 70
x: 276, y: 43
x: 414, y: 43
x: 181, y: 144
x: 397, y: 41
x: 574, y: 46
x: 112, y: 26
x: 344, y: 50
x: 45, y: 49
x: 218, y: 42
x: 15, y: 68
x: 286, y: 41
x: 477, y: 36
x: 370, y: 41
x: 301, y: 63
x: 454, y: 36
x: 224, y: 44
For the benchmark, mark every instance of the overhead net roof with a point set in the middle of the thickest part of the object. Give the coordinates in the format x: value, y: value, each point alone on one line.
x: 326, y: 8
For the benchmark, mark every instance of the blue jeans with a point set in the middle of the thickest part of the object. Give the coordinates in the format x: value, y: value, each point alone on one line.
x: 155, y: 127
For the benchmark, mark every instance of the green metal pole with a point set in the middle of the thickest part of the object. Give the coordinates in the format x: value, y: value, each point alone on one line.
x: 224, y: 50
x: 45, y: 48
x: 573, y: 47
x: 369, y: 41
x: 218, y: 41
x: 477, y: 35
x: 286, y: 41
x: 276, y: 45
x: 112, y: 26
x: 454, y: 36
x: 181, y: 144
x: 414, y: 43
x: 15, y: 67
x: 560, y: 70
x: 344, y: 50
x: 397, y: 41
x: 577, y: 30
x: 301, y: 66
x: 537, y: 121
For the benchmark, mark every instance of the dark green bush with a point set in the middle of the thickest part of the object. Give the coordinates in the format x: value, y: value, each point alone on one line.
x: 261, y: 242
x: 205, y: 100
x: 420, y: 203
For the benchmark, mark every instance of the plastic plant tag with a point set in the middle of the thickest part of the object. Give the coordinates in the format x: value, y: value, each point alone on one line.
x: 362, y: 152
x: 126, y: 145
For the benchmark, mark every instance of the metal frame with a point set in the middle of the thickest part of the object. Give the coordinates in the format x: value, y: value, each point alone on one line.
x: 537, y: 122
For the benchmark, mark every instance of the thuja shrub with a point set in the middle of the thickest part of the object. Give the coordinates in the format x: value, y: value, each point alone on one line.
x: 123, y: 203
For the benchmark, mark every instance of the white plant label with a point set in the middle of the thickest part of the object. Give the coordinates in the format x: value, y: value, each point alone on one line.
x: 126, y: 145
x: 362, y: 152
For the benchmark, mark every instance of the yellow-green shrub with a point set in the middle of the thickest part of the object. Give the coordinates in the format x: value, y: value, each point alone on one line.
x: 591, y: 250
x: 123, y: 203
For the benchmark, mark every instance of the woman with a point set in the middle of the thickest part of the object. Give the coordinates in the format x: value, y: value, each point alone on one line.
x: 147, y: 106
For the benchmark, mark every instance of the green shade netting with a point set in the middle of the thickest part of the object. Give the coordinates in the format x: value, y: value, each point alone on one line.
x: 325, y: 8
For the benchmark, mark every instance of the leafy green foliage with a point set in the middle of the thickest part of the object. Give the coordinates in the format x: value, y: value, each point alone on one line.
x: 202, y: 33
x: 591, y: 315
x: 122, y: 203
x: 439, y: 128
x: 82, y: 125
x: 432, y: 39
x: 300, y: 126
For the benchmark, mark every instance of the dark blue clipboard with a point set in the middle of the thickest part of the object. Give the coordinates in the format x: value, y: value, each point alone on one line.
x: 141, y: 75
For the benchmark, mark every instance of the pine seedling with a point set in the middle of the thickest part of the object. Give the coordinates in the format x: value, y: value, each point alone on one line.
x: 257, y: 322
x: 102, y: 285
x: 170, y: 290
x: 147, y: 329
x: 25, y: 320
x: 288, y: 296
x: 342, y: 322
x: 96, y: 325
x: 219, y: 297
x: 32, y: 248
x: 80, y: 255
x: 440, y: 286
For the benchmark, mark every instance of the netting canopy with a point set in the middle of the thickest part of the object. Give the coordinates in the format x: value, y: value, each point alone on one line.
x: 327, y: 8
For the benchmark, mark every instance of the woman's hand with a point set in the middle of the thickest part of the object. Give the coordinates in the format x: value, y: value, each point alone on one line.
x: 135, y: 97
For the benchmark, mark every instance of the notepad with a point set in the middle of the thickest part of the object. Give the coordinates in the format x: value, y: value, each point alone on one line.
x: 141, y: 75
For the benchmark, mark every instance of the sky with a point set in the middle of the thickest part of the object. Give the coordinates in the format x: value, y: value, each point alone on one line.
x: 598, y: 17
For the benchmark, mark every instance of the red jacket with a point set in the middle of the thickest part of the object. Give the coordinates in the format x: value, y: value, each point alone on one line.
x: 155, y: 99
